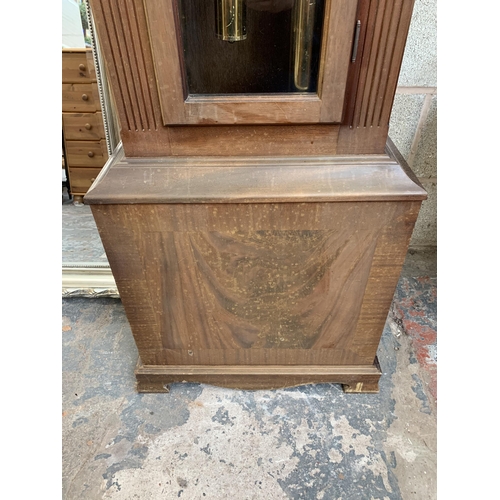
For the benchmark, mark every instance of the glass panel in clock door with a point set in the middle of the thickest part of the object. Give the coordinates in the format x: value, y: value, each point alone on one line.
x: 251, y: 46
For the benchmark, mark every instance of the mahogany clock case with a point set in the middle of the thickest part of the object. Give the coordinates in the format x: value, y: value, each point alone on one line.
x: 256, y: 273
x: 256, y: 239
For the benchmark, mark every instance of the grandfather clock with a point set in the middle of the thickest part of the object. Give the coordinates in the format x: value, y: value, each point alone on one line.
x: 256, y: 215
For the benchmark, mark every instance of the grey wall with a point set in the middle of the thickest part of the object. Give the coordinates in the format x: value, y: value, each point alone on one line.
x: 413, y: 125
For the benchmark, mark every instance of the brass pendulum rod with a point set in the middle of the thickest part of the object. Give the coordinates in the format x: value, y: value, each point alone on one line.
x: 230, y: 20
x: 302, y: 42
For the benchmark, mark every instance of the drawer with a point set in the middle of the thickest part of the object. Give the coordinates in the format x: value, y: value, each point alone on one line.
x: 78, y: 67
x: 83, y: 126
x: 86, y: 153
x: 80, y: 179
x: 80, y: 97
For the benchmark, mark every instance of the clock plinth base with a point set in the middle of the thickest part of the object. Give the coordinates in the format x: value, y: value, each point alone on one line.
x: 354, y: 379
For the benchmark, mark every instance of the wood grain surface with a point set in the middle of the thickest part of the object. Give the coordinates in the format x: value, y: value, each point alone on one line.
x: 83, y: 126
x: 284, y: 283
x: 233, y: 140
x: 123, y: 35
x: 373, y: 77
x: 86, y: 153
x: 254, y: 180
x: 357, y: 379
x: 78, y: 66
x: 82, y: 178
x: 369, y: 89
x: 80, y: 97
x: 240, y: 269
x: 82, y: 121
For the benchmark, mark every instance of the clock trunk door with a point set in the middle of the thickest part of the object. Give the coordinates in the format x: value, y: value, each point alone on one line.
x: 251, y: 61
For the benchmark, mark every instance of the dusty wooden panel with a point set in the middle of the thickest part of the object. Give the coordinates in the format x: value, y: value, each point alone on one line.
x: 355, y: 65
x: 224, y: 279
x: 133, y: 64
x: 254, y: 356
x: 384, y: 70
x: 373, y: 76
x: 124, y: 256
x: 250, y: 180
x: 388, y: 259
x: 254, y: 140
x: 253, y: 290
x: 251, y: 110
x: 259, y: 140
x: 339, y: 25
x: 362, y: 140
x: 391, y: 75
x: 164, y: 36
x: 123, y: 37
x: 386, y: 24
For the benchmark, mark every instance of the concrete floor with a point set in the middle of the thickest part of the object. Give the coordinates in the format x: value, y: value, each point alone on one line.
x: 199, y: 441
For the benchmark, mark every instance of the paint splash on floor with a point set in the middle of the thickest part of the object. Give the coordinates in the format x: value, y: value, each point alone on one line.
x: 415, y: 311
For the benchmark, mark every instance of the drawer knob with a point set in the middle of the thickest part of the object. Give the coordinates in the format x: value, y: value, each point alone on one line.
x: 90, y: 154
x: 93, y: 179
x: 85, y: 97
x: 88, y: 126
x: 82, y: 67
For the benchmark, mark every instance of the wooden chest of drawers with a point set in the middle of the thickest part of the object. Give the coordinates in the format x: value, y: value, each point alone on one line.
x: 82, y: 122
